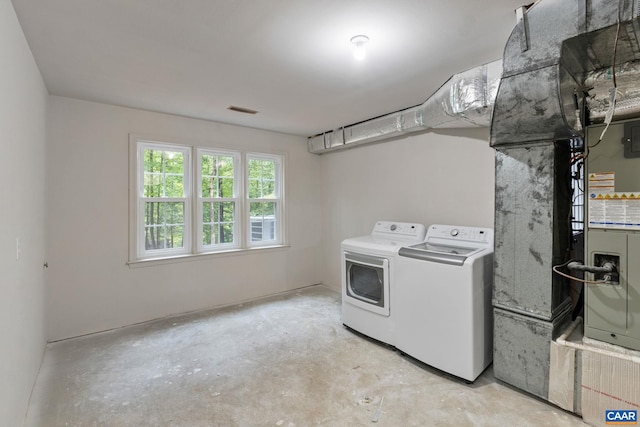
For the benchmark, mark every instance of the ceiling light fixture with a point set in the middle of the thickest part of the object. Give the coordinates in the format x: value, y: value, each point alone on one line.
x: 359, y: 42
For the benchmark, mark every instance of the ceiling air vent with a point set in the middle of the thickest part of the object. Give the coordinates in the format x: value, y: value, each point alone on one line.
x: 242, y: 110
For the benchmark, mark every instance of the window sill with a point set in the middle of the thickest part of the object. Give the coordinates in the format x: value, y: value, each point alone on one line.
x: 150, y: 262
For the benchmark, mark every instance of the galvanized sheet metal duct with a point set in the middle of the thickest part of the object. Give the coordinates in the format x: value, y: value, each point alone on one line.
x: 599, y: 83
x: 548, y: 57
x: 590, y: 57
x: 465, y: 100
x: 548, y: 62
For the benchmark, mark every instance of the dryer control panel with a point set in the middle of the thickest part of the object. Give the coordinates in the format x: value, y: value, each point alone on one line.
x: 399, y: 230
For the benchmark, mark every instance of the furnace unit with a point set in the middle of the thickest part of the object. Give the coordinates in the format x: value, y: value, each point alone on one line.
x: 612, y: 238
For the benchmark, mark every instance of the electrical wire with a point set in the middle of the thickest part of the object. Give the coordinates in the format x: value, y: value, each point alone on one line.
x: 576, y: 158
x: 614, y: 90
x: 580, y: 158
x: 575, y: 189
x: 615, y: 45
x: 580, y: 176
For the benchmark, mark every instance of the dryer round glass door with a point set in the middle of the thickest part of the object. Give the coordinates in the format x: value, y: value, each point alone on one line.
x: 367, y: 282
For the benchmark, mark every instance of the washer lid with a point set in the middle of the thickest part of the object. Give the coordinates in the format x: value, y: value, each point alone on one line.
x: 444, y: 254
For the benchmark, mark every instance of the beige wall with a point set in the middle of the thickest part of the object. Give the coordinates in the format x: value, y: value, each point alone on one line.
x: 90, y: 287
x: 441, y: 177
x: 434, y: 177
x: 22, y: 143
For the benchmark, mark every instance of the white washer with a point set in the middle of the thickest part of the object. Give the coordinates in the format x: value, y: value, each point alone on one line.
x: 442, y: 300
x: 367, y: 277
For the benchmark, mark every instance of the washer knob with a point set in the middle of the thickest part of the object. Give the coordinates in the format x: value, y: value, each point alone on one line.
x: 393, y: 227
x: 454, y: 232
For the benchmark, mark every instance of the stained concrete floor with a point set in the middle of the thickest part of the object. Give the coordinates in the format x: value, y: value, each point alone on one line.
x: 280, y: 361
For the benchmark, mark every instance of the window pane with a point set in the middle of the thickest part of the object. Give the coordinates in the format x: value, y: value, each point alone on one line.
x: 255, y: 169
x: 218, y: 219
x: 226, y: 166
x: 164, y: 237
x: 225, y: 188
x: 154, y: 214
x: 207, y: 208
x: 254, y: 189
x: 227, y: 232
x: 268, y: 189
x: 174, y: 236
x: 206, y: 163
x: 208, y: 176
x: 152, y: 185
x: 164, y: 225
x: 174, y: 185
x: 174, y: 213
x: 209, y: 186
x: 262, y: 178
x: 217, y: 176
x: 163, y: 173
x: 207, y: 234
x: 227, y: 212
x: 269, y: 209
x: 173, y: 162
x: 153, y: 160
x: 263, y: 221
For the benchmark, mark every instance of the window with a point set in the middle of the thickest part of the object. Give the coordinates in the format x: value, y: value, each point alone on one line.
x: 264, y: 198
x: 222, y: 200
x: 164, y: 202
x: 218, y: 199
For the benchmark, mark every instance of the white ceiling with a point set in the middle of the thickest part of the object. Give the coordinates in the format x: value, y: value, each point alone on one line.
x: 289, y: 59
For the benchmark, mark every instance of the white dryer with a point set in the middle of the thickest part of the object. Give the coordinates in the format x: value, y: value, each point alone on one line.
x: 368, y: 264
x: 442, y: 300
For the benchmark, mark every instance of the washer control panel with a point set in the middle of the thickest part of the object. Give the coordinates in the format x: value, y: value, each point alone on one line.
x: 455, y: 233
x: 399, y: 230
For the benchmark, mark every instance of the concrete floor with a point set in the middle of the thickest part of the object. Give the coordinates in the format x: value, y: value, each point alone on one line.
x: 279, y: 361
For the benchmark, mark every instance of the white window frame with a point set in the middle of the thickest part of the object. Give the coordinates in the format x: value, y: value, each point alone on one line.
x: 141, y: 251
x: 193, y: 200
x: 236, y: 199
x: 278, y: 199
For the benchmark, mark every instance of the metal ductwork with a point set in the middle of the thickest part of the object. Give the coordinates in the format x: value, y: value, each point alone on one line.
x: 600, y: 83
x: 559, y: 52
x: 465, y: 100
x: 558, y: 58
